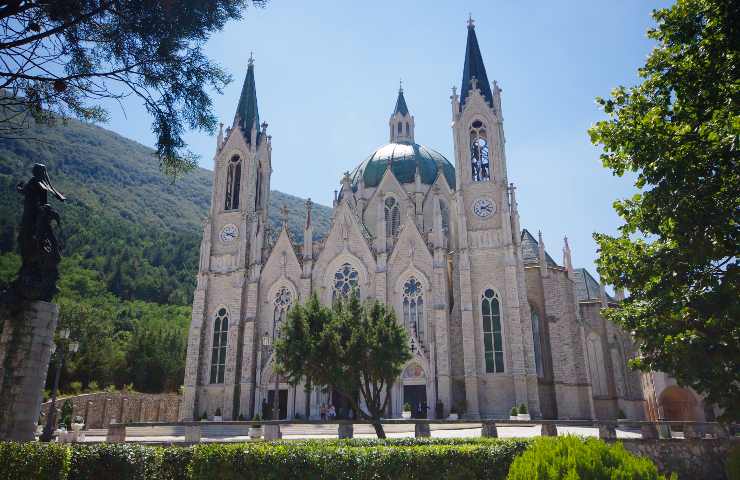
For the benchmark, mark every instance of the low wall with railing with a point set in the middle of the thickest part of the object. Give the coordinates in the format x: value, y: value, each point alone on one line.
x: 99, y: 409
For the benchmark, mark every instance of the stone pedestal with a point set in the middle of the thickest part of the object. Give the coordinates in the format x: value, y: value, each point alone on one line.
x: 489, y: 430
x: 649, y: 431
x: 192, y: 433
x: 116, y: 433
x: 549, y: 430
x: 421, y: 430
x: 25, y: 350
x: 346, y: 430
x: 608, y: 431
x: 272, y: 432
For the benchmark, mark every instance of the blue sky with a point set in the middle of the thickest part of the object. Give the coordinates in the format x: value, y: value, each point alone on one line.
x: 327, y: 75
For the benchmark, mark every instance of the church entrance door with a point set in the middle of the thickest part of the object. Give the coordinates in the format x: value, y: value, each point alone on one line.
x: 283, y: 414
x: 416, y: 395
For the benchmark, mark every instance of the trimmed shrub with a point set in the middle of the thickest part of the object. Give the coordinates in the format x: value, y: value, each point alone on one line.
x: 353, y: 460
x: 571, y: 457
x: 733, y: 463
x: 116, y: 461
x: 33, y: 461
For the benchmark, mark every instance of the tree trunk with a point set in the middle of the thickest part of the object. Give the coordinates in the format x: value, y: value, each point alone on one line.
x: 378, y: 428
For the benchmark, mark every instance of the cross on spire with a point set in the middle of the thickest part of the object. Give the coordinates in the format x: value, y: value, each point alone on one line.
x: 251, y: 59
x: 471, y: 22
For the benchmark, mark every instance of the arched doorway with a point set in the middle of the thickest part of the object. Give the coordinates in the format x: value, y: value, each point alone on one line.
x: 415, y: 390
x: 678, y: 404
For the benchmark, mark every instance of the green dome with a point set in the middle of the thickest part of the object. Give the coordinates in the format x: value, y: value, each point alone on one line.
x: 404, y: 159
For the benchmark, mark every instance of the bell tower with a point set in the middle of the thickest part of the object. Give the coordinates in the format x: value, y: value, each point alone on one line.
x: 401, y: 122
x: 497, y: 339
x: 219, y: 369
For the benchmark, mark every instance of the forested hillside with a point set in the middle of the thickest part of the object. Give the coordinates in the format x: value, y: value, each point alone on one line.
x: 131, y: 239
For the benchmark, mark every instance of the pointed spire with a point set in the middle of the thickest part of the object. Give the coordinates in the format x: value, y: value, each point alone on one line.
x: 309, y: 206
x: 542, y: 255
x: 567, y: 262
x: 284, y: 214
x: 247, y: 114
x: 401, y: 102
x: 474, y: 68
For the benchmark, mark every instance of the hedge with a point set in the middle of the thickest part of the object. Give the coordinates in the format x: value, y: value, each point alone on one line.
x: 571, y: 457
x: 402, y: 458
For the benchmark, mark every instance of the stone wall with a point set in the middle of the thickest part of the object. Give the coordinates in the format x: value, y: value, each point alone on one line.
x: 689, y: 459
x: 99, y: 409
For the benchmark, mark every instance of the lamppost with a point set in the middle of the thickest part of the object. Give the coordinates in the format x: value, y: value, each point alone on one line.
x: 70, y: 346
x: 266, y: 345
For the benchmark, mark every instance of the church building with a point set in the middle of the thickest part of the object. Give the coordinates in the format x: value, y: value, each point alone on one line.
x: 494, y: 321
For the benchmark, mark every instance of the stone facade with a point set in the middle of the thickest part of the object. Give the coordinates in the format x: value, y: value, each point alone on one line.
x: 494, y: 321
x: 700, y: 458
x: 101, y: 408
x: 25, y: 350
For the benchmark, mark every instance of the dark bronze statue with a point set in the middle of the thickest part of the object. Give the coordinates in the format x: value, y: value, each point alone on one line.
x: 40, y: 250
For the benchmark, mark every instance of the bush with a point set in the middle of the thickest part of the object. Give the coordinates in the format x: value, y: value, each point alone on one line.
x: 406, y: 407
x: 733, y: 463
x: 574, y: 457
x: 116, y: 461
x: 523, y: 409
x: 93, y: 386
x: 463, y: 458
x: 513, y: 411
x: 30, y: 461
x: 75, y: 388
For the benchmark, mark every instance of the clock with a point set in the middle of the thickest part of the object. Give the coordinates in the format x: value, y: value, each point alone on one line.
x: 229, y: 233
x: 484, y: 207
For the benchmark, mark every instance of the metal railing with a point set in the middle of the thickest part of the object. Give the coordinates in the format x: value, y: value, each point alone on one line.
x: 607, y: 429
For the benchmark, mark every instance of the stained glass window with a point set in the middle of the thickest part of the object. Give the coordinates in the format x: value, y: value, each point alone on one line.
x: 218, y: 350
x: 281, y: 303
x: 392, y: 217
x: 493, y: 348
x: 346, y: 282
x: 413, y: 307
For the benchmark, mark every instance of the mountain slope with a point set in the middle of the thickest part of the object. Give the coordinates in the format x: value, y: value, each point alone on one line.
x: 123, y: 218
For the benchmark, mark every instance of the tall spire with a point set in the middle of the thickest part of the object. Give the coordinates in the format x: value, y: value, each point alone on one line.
x: 401, y: 102
x: 247, y: 114
x: 474, y: 68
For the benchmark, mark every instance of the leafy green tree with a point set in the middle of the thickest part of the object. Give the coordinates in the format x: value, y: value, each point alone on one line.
x: 356, y: 349
x: 677, y: 252
x: 63, y: 57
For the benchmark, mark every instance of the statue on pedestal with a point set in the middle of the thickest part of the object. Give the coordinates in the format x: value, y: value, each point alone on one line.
x: 40, y: 250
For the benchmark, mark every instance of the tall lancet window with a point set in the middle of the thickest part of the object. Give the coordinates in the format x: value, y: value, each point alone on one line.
x: 444, y: 212
x: 218, y: 348
x: 281, y: 304
x: 258, y: 187
x: 479, y: 163
x: 233, y: 181
x: 536, y: 339
x: 493, y: 347
x: 392, y: 217
x: 345, y: 282
x: 413, y: 307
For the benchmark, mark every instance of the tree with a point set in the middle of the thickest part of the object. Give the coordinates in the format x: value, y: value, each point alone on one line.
x: 356, y: 349
x: 677, y: 252
x: 62, y: 58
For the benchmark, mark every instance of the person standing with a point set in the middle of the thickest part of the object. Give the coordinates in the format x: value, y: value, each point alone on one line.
x: 323, y: 411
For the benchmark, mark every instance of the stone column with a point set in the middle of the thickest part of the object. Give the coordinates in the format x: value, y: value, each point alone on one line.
x: 25, y: 350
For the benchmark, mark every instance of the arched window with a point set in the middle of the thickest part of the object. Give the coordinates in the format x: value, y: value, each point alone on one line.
x: 392, y: 217
x: 400, y: 128
x: 596, y: 365
x: 481, y: 167
x: 281, y: 304
x: 258, y: 187
x: 233, y: 180
x: 536, y: 340
x: 493, y: 347
x: 345, y: 282
x: 413, y: 307
x: 218, y: 350
x: 407, y: 128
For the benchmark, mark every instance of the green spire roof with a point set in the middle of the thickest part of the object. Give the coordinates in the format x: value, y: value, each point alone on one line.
x: 474, y: 68
x: 401, y: 104
x: 247, y: 112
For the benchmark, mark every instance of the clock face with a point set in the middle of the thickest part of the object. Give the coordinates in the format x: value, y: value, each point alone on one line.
x: 229, y: 233
x: 484, y: 207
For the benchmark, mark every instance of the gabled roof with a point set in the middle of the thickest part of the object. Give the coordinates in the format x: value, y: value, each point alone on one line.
x: 401, y: 104
x: 247, y: 111
x: 474, y: 68
x: 586, y: 286
x: 531, y: 250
